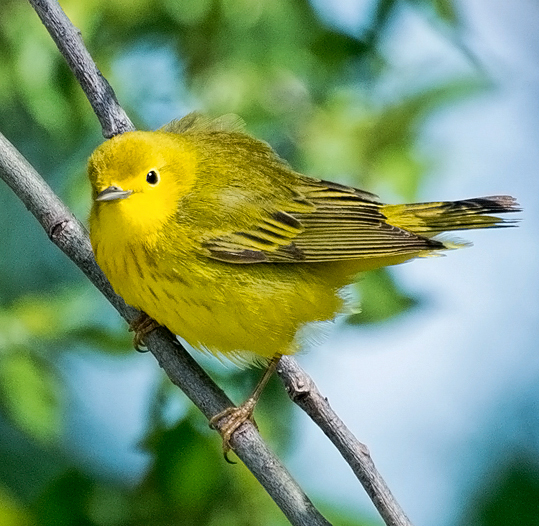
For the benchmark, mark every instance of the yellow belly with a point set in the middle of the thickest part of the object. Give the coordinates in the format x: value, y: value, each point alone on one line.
x: 224, y: 308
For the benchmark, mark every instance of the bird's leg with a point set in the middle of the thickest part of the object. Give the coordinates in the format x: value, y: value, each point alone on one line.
x: 236, y: 416
x: 142, y: 326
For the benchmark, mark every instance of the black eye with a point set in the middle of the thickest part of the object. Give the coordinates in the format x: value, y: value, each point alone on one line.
x: 152, y: 177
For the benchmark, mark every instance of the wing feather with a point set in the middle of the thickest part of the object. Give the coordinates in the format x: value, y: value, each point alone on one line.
x: 334, y: 222
x: 249, y: 206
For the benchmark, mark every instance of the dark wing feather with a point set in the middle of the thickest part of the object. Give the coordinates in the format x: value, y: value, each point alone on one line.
x: 327, y: 222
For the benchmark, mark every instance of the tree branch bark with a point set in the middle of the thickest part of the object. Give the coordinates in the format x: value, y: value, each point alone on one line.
x: 71, y: 237
x: 303, y: 391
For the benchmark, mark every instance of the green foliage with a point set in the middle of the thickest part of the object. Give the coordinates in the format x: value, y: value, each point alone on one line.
x: 31, y: 394
x: 188, y: 482
x: 374, y: 145
x: 510, y: 496
x: 380, y: 298
x: 444, y: 10
x: 11, y: 513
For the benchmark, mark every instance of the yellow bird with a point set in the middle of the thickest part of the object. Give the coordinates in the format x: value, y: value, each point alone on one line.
x: 211, y: 234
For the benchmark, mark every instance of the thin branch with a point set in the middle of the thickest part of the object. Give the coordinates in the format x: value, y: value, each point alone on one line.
x: 68, y: 39
x: 303, y: 391
x: 71, y: 237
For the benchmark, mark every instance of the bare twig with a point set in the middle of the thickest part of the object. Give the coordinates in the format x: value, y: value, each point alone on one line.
x: 303, y: 391
x: 71, y: 237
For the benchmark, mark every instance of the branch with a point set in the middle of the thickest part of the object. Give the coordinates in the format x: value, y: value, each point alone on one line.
x: 67, y: 37
x: 71, y: 237
x: 303, y: 391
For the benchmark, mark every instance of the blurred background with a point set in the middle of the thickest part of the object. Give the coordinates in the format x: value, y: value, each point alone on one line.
x: 439, y: 372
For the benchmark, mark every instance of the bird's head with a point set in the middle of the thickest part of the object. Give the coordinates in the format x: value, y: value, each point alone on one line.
x: 139, y: 178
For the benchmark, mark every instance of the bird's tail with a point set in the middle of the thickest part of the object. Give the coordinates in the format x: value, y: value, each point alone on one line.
x: 430, y: 219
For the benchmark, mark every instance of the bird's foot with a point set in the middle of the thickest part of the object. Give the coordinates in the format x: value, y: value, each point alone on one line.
x: 142, y: 326
x: 233, y: 418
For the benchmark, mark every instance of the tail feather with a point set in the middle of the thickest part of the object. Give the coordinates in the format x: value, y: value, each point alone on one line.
x: 430, y: 219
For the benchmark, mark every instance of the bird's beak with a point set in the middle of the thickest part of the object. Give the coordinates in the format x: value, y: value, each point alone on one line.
x: 112, y: 193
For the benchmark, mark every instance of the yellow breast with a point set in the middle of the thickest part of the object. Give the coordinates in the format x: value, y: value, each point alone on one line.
x: 238, y: 313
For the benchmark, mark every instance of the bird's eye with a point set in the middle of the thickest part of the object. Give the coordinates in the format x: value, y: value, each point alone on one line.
x: 152, y: 177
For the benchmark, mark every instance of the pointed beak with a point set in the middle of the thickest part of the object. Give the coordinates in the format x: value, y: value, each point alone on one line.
x: 112, y: 193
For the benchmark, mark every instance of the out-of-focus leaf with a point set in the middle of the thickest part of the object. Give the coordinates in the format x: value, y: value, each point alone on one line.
x: 103, y: 339
x: 509, y: 496
x: 191, y: 483
x: 12, y: 513
x: 443, y: 9
x: 65, y: 501
x: 381, y: 299
x: 188, y: 12
x: 31, y: 394
x: 68, y: 316
x: 43, y: 99
x: 350, y: 136
x: 344, y: 516
x: 109, y: 505
x: 446, y: 11
x: 27, y: 466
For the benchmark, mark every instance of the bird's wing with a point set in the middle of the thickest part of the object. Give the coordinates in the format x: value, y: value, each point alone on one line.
x: 325, y: 222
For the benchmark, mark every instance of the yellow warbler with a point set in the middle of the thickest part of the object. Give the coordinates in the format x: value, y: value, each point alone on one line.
x: 210, y: 233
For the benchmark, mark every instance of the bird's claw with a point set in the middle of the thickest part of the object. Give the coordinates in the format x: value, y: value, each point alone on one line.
x: 233, y: 418
x: 142, y: 326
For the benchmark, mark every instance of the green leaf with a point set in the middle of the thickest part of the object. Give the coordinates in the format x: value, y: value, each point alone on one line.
x: 381, y: 299
x: 65, y: 501
x: 11, y: 512
x: 444, y: 10
x: 61, y: 320
x: 509, y: 496
x: 31, y: 394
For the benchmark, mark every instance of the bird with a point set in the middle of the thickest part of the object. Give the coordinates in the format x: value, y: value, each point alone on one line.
x: 211, y: 234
